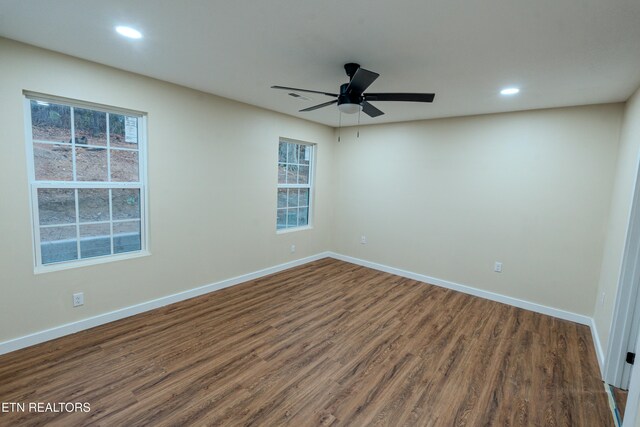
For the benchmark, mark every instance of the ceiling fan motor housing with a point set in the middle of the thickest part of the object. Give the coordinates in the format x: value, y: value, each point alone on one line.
x: 348, y: 98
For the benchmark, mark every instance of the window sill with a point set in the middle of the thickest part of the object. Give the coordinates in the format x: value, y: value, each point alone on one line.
x: 291, y: 230
x: 88, y: 262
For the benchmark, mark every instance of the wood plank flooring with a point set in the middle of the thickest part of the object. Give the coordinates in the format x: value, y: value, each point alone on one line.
x: 327, y: 343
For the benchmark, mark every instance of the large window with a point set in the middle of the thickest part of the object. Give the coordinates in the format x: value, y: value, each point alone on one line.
x: 295, y: 184
x: 87, y: 178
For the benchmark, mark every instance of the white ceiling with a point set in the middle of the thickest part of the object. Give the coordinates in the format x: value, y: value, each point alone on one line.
x: 560, y: 52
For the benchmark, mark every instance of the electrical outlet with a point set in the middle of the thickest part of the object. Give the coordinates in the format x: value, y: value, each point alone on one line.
x: 602, y: 298
x: 293, y: 248
x: 497, y: 267
x: 363, y: 240
x: 78, y: 299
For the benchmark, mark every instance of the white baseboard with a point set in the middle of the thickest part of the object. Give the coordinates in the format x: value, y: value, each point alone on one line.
x: 101, y: 319
x: 70, y: 328
x: 538, y: 308
x: 598, y: 345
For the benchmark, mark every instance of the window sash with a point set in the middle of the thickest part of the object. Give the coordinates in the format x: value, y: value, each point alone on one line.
x: 78, y: 223
x: 109, y: 148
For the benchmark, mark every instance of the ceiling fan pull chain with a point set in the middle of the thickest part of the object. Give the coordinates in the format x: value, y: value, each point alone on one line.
x: 339, y: 124
x: 358, y: 133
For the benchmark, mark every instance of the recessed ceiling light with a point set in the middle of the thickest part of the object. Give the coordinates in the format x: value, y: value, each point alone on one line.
x: 509, y: 91
x: 129, y: 32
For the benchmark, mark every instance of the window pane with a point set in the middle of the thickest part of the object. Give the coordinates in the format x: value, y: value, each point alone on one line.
x: 123, y: 131
x: 90, y: 126
x: 93, y: 204
x: 91, y: 164
x: 126, y: 236
x: 303, y: 199
x: 282, y: 197
x: 291, y: 153
x: 53, y: 162
x: 95, y: 240
x: 282, y: 173
x: 50, y: 122
x: 303, y: 216
x: 292, y: 217
x: 303, y: 175
x: 292, y: 198
x: 305, y: 155
x: 58, y: 244
x: 124, y: 166
x: 125, y: 203
x: 56, y: 206
x: 282, y: 152
x: 292, y: 174
x: 282, y: 218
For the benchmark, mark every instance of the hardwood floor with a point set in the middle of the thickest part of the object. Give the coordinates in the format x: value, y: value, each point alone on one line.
x: 327, y: 343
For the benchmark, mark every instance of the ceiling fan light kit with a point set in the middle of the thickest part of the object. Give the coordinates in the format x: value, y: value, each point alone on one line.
x: 352, y: 98
x: 349, y: 108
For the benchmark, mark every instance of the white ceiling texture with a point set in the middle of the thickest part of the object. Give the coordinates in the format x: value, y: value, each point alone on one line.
x: 559, y: 52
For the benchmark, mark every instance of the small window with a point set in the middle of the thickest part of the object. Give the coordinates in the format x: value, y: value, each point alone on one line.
x: 295, y: 184
x: 87, y: 182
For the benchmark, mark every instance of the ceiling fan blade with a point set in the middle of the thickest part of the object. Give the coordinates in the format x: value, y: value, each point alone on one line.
x: 407, y: 97
x: 315, y: 107
x: 304, y: 90
x: 370, y: 110
x: 361, y: 80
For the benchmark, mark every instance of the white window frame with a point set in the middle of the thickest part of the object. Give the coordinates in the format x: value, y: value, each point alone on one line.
x: 34, y: 185
x: 310, y: 186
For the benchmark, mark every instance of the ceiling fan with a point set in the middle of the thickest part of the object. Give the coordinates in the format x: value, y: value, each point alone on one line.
x: 352, y: 98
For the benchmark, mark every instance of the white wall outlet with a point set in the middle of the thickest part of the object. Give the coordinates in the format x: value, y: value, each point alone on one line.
x: 363, y: 240
x: 497, y: 267
x: 602, y: 298
x: 78, y: 299
x: 293, y: 248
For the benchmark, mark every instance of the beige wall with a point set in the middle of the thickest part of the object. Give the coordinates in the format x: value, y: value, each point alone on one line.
x: 212, y: 191
x: 445, y: 198
x: 621, y: 202
x: 448, y: 198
